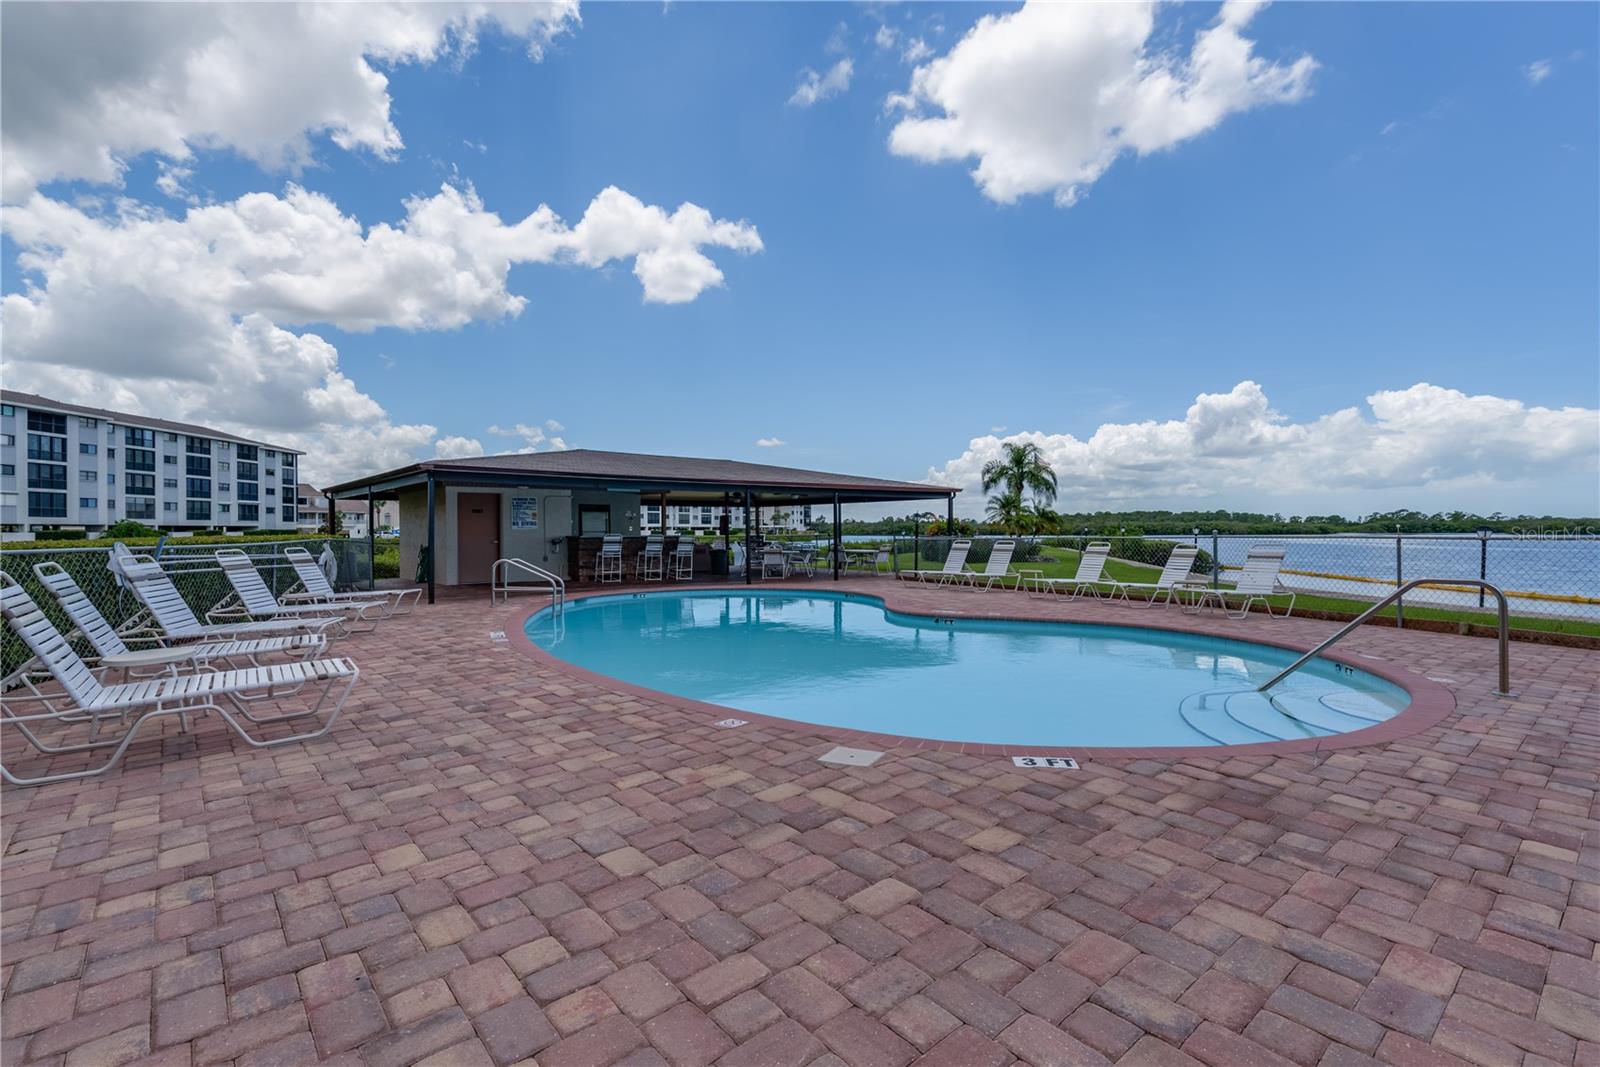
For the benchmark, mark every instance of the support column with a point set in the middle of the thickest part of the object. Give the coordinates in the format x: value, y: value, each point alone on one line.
x: 433, y: 561
x: 747, y: 560
x: 372, y: 543
x: 838, y: 539
x: 950, y: 516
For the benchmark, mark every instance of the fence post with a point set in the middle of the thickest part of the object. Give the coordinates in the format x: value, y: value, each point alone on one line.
x: 1216, y: 562
x: 1399, y: 580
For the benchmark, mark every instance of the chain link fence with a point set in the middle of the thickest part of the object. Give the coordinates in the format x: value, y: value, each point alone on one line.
x: 1552, y: 582
x: 192, y: 567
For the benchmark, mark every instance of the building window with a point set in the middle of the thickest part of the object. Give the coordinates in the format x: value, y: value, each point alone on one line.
x: 138, y: 438
x: 87, y: 448
x: 172, y: 460
x: 46, y: 476
x: 84, y: 420
x: 223, y: 509
x: 8, y: 439
x: 47, y: 422
x: 199, y: 466
x: 199, y: 509
x: 140, y: 459
x: 169, y: 483
x: 88, y: 476
x: 8, y: 470
x: 7, y: 409
x: 288, y: 460
x: 143, y: 484
x: 172, y: 437
x: 197, y: 487
x: 88, y: 502
x: 140, y: 509
x: 249, y: 491
x: 271, y: 491
x: 271, y: 454
x: 223, y: 487
x: 249, y: 512
x: 199, y: 446
x: 247, y: 451
x: 49, y: 448
x: 247, y: 471
x: 48, y: 505
x: 169, y: 505
x: 223, y: 446
x: 270, y: 509
x: 224, y: 465
x: 288, y: 514
x: 111, y: 478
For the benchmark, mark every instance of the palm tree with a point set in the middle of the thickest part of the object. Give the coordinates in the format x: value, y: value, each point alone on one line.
x: 1008, y: 511
x: 1023, y: 468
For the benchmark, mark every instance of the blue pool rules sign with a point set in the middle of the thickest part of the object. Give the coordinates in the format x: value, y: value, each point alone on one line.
x: 524, y: 513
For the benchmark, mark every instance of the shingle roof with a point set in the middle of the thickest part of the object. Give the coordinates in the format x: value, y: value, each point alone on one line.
x: 33, y: 400
x: 649, y: 470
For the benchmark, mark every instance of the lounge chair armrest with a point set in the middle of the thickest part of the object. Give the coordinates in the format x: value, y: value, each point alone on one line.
x: 151, y: 656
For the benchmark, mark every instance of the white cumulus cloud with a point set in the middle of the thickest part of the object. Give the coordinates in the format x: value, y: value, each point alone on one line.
x: 1235, y: 448
x: 457, y: 447
x: 1047, y: 97
x: 86, y: 87
x: 1538, y: 71
x: 771, y: 442
x: 814, y: 88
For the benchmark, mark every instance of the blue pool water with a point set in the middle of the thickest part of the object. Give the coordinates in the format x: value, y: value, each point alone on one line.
x: 844, y: 661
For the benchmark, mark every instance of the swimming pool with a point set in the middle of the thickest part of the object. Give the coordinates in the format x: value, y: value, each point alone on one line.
x: 845, y: 661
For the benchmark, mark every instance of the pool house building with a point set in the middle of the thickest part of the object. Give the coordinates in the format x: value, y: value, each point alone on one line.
x: 554, y: 509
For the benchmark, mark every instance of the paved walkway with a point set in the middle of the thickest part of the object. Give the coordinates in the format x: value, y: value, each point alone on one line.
x: 490, y: 861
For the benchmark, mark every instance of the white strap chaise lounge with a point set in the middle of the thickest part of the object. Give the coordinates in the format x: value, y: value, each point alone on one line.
x: 316, y: 589
x: 253, y: 600
x: 111, y: 649
x: 1175, y: 576
x: 181, y: 694
x: 165, y: 607
x: 995, y: 568
x: 955, y: 565
x: 1088, y: 579
x: 1257, y: 580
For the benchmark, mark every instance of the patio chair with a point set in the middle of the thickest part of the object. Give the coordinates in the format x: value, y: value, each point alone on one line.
x: 92, y: 701
x: 608, y: 561
x: 995, y: 569
x: 111, y: 649
x: 1257, y: 580
x: 252, y: 599
x: 316, y: 589
x: 803, y: 561
x: 683, y: 561
x: 955, y: 565
x: 1174, y: 577
x: 774, y: 563
x: 165, y: 607
x: 1088, y: 579
x: 651, y: 564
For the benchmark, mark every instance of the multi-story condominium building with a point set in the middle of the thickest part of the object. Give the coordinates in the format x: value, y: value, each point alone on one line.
x: 66, y: 466
x: 707, y: 518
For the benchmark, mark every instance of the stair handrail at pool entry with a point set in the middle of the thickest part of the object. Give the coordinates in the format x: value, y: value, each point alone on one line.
x: 500, y: 587
x: 1505, y: 663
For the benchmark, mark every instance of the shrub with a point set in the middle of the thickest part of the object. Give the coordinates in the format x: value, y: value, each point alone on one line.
x: 130, y: 528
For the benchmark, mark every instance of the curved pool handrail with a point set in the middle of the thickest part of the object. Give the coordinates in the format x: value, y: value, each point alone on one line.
x: 1505, y: 660
x: 500, y: 587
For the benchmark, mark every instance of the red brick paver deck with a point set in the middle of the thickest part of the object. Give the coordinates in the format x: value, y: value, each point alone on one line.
x: 493, y: 861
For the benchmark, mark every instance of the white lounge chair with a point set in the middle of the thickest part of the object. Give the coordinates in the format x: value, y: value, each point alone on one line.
x: 316, y: 589
x: 1257, y: 580
x: 182, y: 695
x: 1088, y: 579
x: 111, y: 649
x: 955, y: 565
x: 995, y: 568
x: 252, y: 599
x: 1174, y: 576
x: 165, y: 607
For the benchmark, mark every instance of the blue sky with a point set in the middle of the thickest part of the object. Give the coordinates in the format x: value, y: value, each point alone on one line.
x: 1417, y: 204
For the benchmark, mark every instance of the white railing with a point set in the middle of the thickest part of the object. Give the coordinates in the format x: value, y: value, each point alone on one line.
x: 501, y: 588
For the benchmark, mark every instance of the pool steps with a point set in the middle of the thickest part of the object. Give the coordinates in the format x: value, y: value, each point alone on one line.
x: 1244, y: 717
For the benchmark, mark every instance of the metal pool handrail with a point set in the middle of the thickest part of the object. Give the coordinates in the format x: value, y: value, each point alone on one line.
x: 500, y: 586
x: 1505, y: 662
